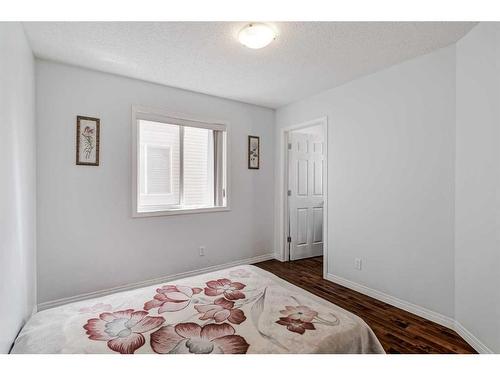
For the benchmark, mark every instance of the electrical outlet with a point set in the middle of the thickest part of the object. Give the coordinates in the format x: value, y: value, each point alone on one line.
x: 357, y: 263
x: 202, y: 251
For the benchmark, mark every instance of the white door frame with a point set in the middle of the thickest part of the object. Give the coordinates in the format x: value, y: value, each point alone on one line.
x: 283, y: 189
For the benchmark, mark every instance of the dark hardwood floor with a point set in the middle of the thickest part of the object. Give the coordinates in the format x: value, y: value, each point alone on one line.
x: 398, y: 331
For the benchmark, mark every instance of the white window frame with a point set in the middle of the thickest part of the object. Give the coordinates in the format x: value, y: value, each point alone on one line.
x: 175, y: 118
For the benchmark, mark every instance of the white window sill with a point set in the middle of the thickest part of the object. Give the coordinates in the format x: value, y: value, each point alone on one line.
x: 180, y: 211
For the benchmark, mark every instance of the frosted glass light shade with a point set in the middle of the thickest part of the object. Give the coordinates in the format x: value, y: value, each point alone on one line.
x: 256, y: 35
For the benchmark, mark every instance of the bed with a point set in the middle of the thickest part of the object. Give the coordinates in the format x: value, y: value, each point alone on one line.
x: 239, y: 310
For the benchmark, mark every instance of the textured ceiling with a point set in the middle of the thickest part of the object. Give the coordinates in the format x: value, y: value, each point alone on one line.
x: 306, y: 57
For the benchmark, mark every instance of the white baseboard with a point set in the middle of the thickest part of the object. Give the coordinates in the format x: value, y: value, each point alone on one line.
x: 141, y: 284
x: 279, y: 257
x: 414, y: 309
x: 404, y: 305
x: 471, y: 339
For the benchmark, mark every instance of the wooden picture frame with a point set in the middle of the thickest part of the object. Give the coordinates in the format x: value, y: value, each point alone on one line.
x: 253, y: 152
x: 87, y: 140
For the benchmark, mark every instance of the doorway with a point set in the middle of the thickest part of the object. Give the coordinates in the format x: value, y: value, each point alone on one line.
x: 305, y: 195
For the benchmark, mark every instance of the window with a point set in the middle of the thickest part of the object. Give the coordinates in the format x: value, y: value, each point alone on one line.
x: 180, y: 165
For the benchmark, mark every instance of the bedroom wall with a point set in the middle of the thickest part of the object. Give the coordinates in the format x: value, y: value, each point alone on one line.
x: 477, y: 206
x: 17, y: 187
x: 391, y: 178
x: 87, y: 239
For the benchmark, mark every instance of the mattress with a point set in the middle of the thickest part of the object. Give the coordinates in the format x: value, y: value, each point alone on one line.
x: 239, y: 310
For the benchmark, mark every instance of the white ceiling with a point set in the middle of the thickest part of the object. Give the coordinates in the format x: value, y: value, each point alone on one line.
x: 306, y: 58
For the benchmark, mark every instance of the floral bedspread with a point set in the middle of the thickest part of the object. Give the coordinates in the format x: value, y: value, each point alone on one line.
x: 234, y: 311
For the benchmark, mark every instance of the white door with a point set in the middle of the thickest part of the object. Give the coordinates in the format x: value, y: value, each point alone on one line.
x: 305, y: 194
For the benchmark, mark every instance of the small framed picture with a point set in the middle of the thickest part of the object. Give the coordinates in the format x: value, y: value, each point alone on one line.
x: 87, y: 141
x: 253, y: 152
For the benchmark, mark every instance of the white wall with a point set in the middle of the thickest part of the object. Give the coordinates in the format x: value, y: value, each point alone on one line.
x: 391, y: 147
x: 17, y: 182
x: 477, y: 207
x: 87, y: 239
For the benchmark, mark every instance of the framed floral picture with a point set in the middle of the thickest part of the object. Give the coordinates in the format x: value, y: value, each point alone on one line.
x: 253, y: 152
x: 87, y: 141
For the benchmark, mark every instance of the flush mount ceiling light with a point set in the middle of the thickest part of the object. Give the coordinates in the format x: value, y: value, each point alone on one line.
x: 256, y: 35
